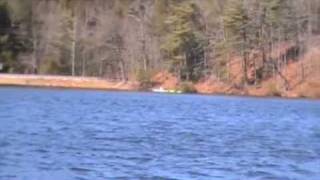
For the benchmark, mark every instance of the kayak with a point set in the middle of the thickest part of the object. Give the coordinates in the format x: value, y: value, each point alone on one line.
x: 162, y: 90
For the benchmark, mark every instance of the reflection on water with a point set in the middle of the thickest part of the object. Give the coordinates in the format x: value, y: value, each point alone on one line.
x: 69, y: 134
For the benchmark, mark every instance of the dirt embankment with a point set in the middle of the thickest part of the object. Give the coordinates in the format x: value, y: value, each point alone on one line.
x: 307, y: 89
x: 296, y: 78
x: 65, y: 82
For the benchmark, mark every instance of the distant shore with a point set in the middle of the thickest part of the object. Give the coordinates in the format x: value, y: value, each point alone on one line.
x: 93, y: 83
x: 67, y: 82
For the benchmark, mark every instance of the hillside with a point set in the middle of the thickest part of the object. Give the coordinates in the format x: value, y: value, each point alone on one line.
x: 301, y: 76
x: 247, y: 47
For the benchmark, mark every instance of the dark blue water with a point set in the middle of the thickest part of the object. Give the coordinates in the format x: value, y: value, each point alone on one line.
x: 92, y: 135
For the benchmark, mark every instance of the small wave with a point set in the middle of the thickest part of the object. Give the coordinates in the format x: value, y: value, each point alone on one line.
x: 81, y: 170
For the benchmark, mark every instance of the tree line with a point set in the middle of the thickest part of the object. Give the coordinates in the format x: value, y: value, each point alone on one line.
x: 133, y: 39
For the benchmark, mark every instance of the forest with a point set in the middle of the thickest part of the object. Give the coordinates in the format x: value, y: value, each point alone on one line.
x: 250, y: 46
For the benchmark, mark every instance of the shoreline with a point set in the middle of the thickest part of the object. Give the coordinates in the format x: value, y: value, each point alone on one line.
x: 65, y: 82
x: 93, y: 83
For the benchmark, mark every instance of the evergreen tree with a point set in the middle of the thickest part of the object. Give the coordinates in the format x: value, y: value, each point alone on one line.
x: 11, y: 44
x: 185, y: 43
x: 159, y: 16
x: 66, y: 37
x: 237, y: 25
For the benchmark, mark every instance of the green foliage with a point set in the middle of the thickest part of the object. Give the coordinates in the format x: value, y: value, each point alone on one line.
x: 187, y: 87
x: 272, y: 9
x: 50, y: 66
x: 236, y: 22
x: 181, y: 28
x: 67, y: 4
x: 159, y: 16
x: 144, y: 78
x: 273, y: 90
x: 10, y: 43
x: 5, y: 21
x: 265, y: 21
x: 238, y: 25
x: 185, y: 42
x: 7, y: 59
x: 279, y: 15
x: 20, y: 11
x: 63, y: 40
x: 121, y: 7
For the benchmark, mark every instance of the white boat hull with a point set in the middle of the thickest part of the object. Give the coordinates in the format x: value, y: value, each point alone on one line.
x: 161, y: 90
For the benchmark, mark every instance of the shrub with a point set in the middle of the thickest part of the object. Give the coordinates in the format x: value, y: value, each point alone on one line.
x: 144, y: 79
x: 187, y: 87
x: 49, y: 66
x: 310, y: 90
x: 273, y: 90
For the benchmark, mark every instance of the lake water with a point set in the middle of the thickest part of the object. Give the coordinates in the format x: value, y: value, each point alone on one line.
x: 93, y: 135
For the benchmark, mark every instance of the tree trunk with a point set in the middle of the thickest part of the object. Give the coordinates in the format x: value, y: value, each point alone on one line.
x: 34, y: 44
x: 34, y: 54
x: 229, y: 66
x: 310, y: 20
x: 245, y: 58
x: 101, y: 68
x: 73, y: 45
x: 84, y: 64
x: 122, y: 69
x: 143, y: 41
x: 245, y: 68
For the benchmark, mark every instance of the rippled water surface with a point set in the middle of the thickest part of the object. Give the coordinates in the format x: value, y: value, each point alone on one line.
x: 92, y: 135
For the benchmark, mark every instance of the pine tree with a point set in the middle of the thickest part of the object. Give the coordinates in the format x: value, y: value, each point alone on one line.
x: 69, y: 32
x: 10, y: 42
x: 159, y: 16
x: 185, y: 43
x: 237, y: 22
